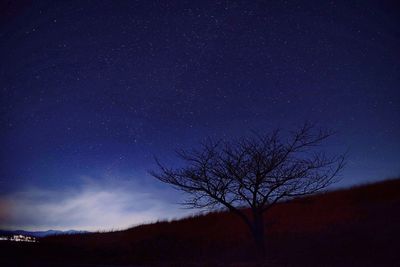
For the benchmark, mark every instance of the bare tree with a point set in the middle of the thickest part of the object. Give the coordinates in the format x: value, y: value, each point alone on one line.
x: 254, y: 172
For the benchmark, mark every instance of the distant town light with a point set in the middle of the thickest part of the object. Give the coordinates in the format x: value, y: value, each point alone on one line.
x: 18, y: 238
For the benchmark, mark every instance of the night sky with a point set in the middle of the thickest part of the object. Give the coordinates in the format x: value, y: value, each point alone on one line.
x: 92, y: 90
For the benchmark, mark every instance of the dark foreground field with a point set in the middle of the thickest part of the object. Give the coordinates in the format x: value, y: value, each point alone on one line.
x: 354, y: 227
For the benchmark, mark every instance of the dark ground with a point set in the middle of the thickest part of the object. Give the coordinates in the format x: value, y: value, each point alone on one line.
x: 354, y: 227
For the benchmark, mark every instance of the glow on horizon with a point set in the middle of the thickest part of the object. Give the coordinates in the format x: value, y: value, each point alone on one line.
x: 92, y: 207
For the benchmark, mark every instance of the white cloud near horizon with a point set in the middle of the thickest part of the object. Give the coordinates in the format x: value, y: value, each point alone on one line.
x: 93, y: 206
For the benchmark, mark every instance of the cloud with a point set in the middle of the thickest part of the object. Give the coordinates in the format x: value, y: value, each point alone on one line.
x: 91, y: 206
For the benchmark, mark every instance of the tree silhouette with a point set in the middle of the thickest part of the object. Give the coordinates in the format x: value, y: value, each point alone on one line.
x: 254, y: 172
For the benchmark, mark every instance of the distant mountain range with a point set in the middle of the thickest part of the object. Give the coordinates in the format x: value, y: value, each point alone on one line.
x: 40, y: 233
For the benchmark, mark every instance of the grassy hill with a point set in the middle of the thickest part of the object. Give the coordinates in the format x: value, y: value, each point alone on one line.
x: 353, y: 227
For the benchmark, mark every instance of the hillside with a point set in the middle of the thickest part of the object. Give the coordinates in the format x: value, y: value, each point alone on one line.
x: 352, y: 227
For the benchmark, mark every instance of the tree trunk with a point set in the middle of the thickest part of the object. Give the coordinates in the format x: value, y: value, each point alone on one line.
x: 258, y: 235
